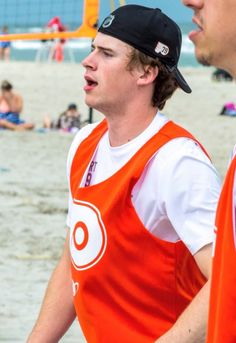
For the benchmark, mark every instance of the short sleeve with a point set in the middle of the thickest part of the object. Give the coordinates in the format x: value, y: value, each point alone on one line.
x: 190, y: 193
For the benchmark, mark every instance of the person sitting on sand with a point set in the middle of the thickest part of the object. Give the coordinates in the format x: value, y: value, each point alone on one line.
x: 68, y: 121
x: 11, y: 105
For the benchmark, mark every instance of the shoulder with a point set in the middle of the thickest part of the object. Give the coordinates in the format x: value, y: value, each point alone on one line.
x: 182, y: 162
x: 182, y: 149
x: 79, y: 137
x: 63, y: 114
x: 84, y: 133
x: 17, y: 97
x: 187, y: 186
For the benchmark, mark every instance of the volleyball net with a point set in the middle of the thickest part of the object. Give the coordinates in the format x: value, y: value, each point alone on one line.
x: 30, y: 19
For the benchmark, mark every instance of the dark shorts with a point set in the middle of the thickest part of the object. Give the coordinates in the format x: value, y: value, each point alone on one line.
x: 12, y: 118
x: 5, y: 45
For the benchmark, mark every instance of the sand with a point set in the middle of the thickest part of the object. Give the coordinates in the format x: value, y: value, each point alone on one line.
x: 33, y: 189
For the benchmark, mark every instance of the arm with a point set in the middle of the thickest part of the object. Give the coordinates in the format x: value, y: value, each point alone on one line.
x: 57, y: 312
x: 19, y: 104
x: 191, y: 325
x: 16, y: 103
x: 57, y: 123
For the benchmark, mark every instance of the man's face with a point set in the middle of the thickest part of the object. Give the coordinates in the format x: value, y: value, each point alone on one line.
x: 214, y: 37
x: 72, y: 112
x: 109, y: 85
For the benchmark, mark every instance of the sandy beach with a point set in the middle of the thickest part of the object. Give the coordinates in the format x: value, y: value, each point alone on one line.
x: 33, y: 184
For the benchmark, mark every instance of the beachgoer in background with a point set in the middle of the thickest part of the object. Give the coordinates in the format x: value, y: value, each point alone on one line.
x: 229, y: 109
x: 215, y: 45
x: 57, y: 50
x: 221, y: 75
x: 5, y: 46
x: 142, y: 202
x: 11, y: 105
x: 68, y: 121
x: 56, y: 25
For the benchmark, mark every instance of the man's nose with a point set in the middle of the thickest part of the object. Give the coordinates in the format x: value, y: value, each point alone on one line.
x: 89, y: 61
x: 193, y: 3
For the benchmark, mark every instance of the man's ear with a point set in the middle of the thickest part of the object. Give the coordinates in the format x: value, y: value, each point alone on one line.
x: 148, y: 75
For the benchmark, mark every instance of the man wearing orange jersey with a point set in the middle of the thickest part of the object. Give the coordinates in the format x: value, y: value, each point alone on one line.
x: 215, y: 44
x: 143, y: 195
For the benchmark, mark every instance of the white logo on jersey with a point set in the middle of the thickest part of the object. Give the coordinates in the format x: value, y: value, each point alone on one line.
x: 88, y: 238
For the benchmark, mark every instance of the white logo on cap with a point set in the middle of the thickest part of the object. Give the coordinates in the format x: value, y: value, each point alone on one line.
x: 162, y: 49
x: 108, y: 21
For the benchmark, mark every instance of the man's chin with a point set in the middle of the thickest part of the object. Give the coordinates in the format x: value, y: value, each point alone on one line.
x: 203, y: 59
x: 204, y: 62
x: 92, y: 104
x: 89, y: 103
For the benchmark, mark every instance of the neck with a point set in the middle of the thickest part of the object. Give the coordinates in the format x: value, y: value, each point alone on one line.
x: 228, y: 65
x: 125, y: 125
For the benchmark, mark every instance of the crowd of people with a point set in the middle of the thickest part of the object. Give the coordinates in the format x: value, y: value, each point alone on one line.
x: 55, y: 48
x: 11, y: 103
x: 11, y: 107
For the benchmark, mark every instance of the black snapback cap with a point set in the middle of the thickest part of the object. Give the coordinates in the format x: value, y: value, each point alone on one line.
x: 149, y: 31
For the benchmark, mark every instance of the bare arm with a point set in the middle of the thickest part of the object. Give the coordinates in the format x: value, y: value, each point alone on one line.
x: 19, y: 104
x: 191, y: 325
x: 57, y: 312
x: 16, y: 103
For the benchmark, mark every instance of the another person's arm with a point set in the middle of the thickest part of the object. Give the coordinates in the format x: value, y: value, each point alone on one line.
x: 57, y: 312
x: 192, y: 323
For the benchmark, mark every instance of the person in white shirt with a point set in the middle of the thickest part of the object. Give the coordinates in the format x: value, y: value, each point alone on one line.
x: 130, y: 74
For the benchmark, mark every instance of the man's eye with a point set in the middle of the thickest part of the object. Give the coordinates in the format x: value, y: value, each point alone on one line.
x: 106, y: 53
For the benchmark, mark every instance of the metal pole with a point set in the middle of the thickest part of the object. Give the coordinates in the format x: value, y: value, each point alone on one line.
x: 112, y: 5
x: 90, y: 115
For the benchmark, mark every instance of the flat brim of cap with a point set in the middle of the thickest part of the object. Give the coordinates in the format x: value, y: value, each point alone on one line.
x: 181, y: 81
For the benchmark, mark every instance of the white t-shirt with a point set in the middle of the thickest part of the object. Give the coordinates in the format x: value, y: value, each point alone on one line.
x: 177, y: 194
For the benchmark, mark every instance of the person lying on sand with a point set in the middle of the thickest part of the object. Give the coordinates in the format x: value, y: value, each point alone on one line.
x: 11, y: 105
